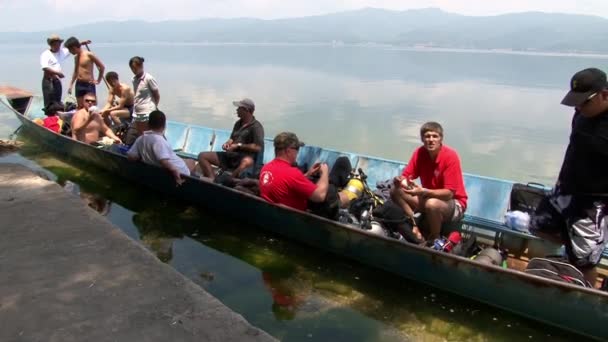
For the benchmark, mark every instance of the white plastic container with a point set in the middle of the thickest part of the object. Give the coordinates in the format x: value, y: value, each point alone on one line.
x: 518, y: 220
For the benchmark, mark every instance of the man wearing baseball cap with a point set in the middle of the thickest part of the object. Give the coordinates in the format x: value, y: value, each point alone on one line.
x: 283, y: 183
x: 50, y: 62
x: 242, y: 149
x: 581, y: 192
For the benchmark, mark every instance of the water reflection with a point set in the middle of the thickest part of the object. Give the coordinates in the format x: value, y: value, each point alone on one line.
x: 501, y: 112
x: 92, y: 200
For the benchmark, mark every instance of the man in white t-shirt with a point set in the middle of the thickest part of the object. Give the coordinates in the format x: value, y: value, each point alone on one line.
x: 50, y: 62
x: 153, y: 148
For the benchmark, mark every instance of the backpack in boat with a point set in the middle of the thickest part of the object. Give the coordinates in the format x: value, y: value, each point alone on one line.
x: 391, y: 216
x: 467, y: 247
x: 556, y: 269
x: 527, y: 197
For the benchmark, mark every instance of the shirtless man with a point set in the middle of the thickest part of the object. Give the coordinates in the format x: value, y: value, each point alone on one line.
x: 50, y: 62
x: 119, y: 110
x: 83, y: 70
x: 89, y: 127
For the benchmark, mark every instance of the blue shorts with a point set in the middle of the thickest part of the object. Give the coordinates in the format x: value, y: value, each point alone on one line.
x: 83, y: 88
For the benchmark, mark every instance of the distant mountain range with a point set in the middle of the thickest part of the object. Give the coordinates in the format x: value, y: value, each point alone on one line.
x: 529, y: 31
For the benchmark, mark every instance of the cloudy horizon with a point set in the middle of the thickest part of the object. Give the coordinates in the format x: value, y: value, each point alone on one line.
x: 43, y: 15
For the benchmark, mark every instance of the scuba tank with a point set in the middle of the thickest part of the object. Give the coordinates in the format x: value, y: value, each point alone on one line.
x: 354, y: 188
x: 357, y: 186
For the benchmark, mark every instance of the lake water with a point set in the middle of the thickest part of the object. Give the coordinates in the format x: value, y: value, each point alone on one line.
x: 501, y: 112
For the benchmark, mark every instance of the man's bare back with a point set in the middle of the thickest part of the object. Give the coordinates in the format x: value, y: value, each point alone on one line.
x: 124, y: 94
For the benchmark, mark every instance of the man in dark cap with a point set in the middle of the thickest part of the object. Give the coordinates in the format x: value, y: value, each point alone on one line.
x: 50, y: 62
x: 282, y: 182
x: 581, y: 192
x: 241, y: 150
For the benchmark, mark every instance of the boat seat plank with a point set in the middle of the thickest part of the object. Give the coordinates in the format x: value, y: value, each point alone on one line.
x: 176, y: 134
x: 487, y: 205
x: 199, y: 139
x: 221, y: 136
x: 488, y: 197
x: 308, y: 155
x: 330, y: 156
x: 379, y: 170
x: 268, y: 150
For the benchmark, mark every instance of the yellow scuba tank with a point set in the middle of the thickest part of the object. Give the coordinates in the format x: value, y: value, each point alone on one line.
x: 354, y: 188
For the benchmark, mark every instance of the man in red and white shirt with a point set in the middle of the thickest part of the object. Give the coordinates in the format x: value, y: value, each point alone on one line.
x: 441, y: 196
x: 283, y: 183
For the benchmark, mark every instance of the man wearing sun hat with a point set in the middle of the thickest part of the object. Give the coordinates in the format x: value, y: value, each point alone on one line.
x: 581, y: 192
x: 241, y: 151
x: 50, y: 62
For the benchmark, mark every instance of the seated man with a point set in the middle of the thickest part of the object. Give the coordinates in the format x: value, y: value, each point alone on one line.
x: 241, y: 150
x: 119, y: 110
x: 87, y: 124
x: 153, y: 148
x: 282, y: 182
x: 442, y: 196
x: 52, y: 121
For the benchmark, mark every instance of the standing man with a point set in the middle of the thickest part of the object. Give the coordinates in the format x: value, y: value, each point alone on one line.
x: 83, y: 70
x: 119, y: 107
x: 581, y: 192
x: 50, y: 62
x: 87, y: 124
x: 147, y: 97
x: 241, y: 150
x: 442, y: 196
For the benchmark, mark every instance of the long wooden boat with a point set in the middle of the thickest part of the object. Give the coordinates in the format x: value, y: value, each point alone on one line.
x: 577, y: 309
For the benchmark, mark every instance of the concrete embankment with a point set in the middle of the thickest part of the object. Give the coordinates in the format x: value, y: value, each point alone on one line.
x: 67, y: 274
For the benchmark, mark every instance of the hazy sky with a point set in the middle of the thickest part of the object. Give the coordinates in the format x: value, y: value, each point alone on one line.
x: 33, y: 15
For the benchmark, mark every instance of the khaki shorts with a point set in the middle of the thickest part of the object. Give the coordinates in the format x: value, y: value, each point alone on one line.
x: 458, y: 212
x: 140, y: 117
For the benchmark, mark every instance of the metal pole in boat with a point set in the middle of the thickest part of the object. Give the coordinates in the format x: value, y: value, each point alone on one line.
x: 104, y: 79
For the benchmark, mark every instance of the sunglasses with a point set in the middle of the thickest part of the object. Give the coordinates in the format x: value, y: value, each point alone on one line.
x: 297, y: 148
x: 589, y: 99
x: 90, y: 101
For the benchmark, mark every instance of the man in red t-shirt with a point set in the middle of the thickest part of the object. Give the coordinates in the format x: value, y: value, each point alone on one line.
x: 442, y: 196
x: 282, y: 182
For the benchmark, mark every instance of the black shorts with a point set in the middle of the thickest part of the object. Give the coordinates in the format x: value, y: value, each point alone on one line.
x: 328, y: 208
x: 83, y: 88
x: 231, y: 160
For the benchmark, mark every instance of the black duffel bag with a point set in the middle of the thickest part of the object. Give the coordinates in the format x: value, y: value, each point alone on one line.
x: 391, y: 216
x: 527, y: 197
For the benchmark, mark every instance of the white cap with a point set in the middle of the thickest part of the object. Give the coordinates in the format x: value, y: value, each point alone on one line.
x: 245, y: 103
